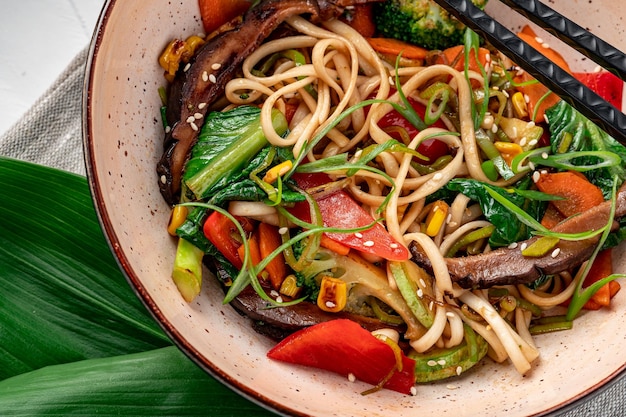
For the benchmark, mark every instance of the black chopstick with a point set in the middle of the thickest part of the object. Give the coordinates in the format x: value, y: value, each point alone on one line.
x: 591, y: 105
x: 594, y: 48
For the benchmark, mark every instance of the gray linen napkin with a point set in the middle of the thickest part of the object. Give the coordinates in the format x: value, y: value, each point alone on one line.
x: 50, y: 133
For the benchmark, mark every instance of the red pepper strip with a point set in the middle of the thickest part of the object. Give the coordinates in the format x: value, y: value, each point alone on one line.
x: 223, y: 234
x: 341, y: 211
x: 605, y: 84
x: 430, y: 148
x: 344, y: 347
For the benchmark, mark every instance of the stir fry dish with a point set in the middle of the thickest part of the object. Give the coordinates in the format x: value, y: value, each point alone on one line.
x: 382, y: 192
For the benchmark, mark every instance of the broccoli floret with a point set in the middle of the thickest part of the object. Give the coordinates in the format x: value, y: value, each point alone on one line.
x: 421, y: 22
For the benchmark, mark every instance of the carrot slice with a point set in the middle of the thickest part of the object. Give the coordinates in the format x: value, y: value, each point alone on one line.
x: 455, y: 56
x: 253, y: 245
x: 579, y: 194
x: 602, y: 267
x: 269, y: 240
x: 333, y: 245
x: 393, y: 47
x: 215, y: 13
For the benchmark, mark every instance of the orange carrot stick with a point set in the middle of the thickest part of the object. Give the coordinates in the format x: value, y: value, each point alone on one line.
x: 393, y: 47
x: 215, y: 13
x: 579, y: 194
x: 269, y: 240
x: 333, y: 245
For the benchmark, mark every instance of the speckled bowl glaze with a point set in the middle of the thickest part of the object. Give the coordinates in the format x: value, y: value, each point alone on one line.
x: 123, y: 141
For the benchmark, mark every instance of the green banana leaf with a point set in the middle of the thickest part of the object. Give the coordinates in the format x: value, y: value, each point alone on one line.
x: 74, y: 338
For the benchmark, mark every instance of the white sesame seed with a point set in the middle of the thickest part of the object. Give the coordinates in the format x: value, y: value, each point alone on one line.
x: 438, y: 176
x: 391, y: 80
x: 191, y: 119
x: 494, y: 128
x: 274, y: 293
x: 420, y: 293
x: 519, y: 72
x: 523, y: 246
x: 413, y: 391
x: 279, y: 299
x: 205, y: 76
x: 441, y: 362
x: 526, y: 98
x: 212, y: 78
x: 546, y: 45
x: 538, y: 39
x: 514, y: 131
x: 451, y: 387
x: 545, y: 117
x: 163, y: 179
x: 495, y: 87
x: 556, y: 252
x: 449, y: 314
x: 168, y: 129
x: 431, y: 363
x: 522, y: 141
x: 544, y: 155
x: 544, y: 172
x: 506, y: 93
x: 351, y: 377
x: 513, y: 245
x: 283, y: 230
x: 530, y: 124
x: 597, y: 69
x: 368, y: 243
x: 194, y: 126
x: 201, y: 106
x: 459, y: 370
x: 487, y: 57
x: 422, y: 282
x: 393, y: 246
x: 358, y: 234
x: 531, y: 165
x: 532, y: 142
x: 216, y: 66
x: 197, y: 116
x: 330, y: 304
x: 449, y: 218
x: 431, y: 305
x: 536, y: 176
x: 187, y: 67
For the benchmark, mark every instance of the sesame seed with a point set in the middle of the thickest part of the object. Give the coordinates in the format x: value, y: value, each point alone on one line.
x: 191, y: 119
x: 420, y: 293
x: 513, y: 245
x: 201, y: 106
x: 536, y: 176
x: 494, y: 128
x: 197, y: 116
x: 544, y: 155
x: 520, y: 72
x: 545, y: 45
x: 438, y: 176
x: 279, y: 299
x: 441, y: 362
x: 526, y: 98
x: 216, y: 66
x: 532, y: 142
x: 163, y: 179
x: 514, y: 131
x: 359, y: 235
x: 330, y: 304
x: 413, y: 391
x: 431, y: 363
x: 431, y: 305
x: 368, y: 243
x: 393, y: 246
x: 205, y: 76
x: 451, y: 387
x: 187, y: 67
x: 545, y: 117
x: 531, y: 165
x: 274, y: 293
x: 194, y: 126
x: 530, y: 124
x: 538, y: 39
x: 351, y: 377
x: 487, y: 57
x: 449, y: 314
x: 449, y: 218
x: 495, y: 87
x: 556, y: 252
x: 544, y: 172
x: 522, y: 141
x: 422, y: 282
x: 212, y: 78
x: 459, y: 370
x: 523, y: 246
x: 168, y: 129
x: 597, y: 69
x: 283, y: 230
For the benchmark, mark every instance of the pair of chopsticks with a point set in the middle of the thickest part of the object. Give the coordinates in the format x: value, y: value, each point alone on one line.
x: 591, y: 105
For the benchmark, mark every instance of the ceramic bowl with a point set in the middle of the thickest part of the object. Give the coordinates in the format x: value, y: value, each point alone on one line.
x: 123, y: 141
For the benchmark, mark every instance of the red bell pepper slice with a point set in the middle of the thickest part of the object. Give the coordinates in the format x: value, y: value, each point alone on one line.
x: 223, y: 234
x: 605, y: 84
x: 344, y: 347
x: 341, y: 211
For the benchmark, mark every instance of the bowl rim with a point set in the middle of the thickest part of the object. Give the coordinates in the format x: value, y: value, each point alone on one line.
x: 139, y: 289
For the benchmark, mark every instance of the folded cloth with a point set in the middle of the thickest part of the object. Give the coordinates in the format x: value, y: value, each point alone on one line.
x: 50, y: 133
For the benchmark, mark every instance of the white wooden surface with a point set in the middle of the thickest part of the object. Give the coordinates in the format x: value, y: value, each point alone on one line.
x: 38, y: 39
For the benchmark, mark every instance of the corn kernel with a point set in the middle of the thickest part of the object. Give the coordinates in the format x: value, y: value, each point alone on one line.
x: 508, y: 150
x: 436, y: 218
x: 177, y: 218
x: 519, y: 105
x: 277, y: 171
x: 333, y: 294
x: 289, y: 286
